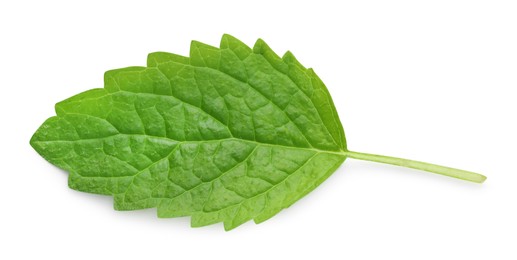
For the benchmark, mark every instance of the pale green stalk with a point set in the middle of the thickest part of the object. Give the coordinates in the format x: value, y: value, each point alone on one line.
x: 447, y: 171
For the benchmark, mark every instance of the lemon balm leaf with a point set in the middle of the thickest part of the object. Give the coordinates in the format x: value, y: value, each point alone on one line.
x: 228, y: 134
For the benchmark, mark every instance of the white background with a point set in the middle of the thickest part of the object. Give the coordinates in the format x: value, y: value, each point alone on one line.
x: 425, y: 80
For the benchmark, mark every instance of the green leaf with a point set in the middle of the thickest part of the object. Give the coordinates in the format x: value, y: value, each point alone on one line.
x: 227, y: 135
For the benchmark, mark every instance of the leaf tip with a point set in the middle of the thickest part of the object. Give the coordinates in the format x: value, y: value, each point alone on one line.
x: 42, y: 133
x: 32, y: 142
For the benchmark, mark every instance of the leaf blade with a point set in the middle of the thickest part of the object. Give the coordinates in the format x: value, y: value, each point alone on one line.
x: 227, y: 135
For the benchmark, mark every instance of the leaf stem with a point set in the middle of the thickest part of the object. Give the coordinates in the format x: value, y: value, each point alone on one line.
x: 447, y: 171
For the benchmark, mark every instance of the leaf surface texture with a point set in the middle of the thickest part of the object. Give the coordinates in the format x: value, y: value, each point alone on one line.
x: 227, y: 135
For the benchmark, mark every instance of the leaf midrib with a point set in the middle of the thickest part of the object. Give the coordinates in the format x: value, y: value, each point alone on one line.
x: 340, y: 152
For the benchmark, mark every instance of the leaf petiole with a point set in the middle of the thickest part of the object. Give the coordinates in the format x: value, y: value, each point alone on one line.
x: 447, y: 171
